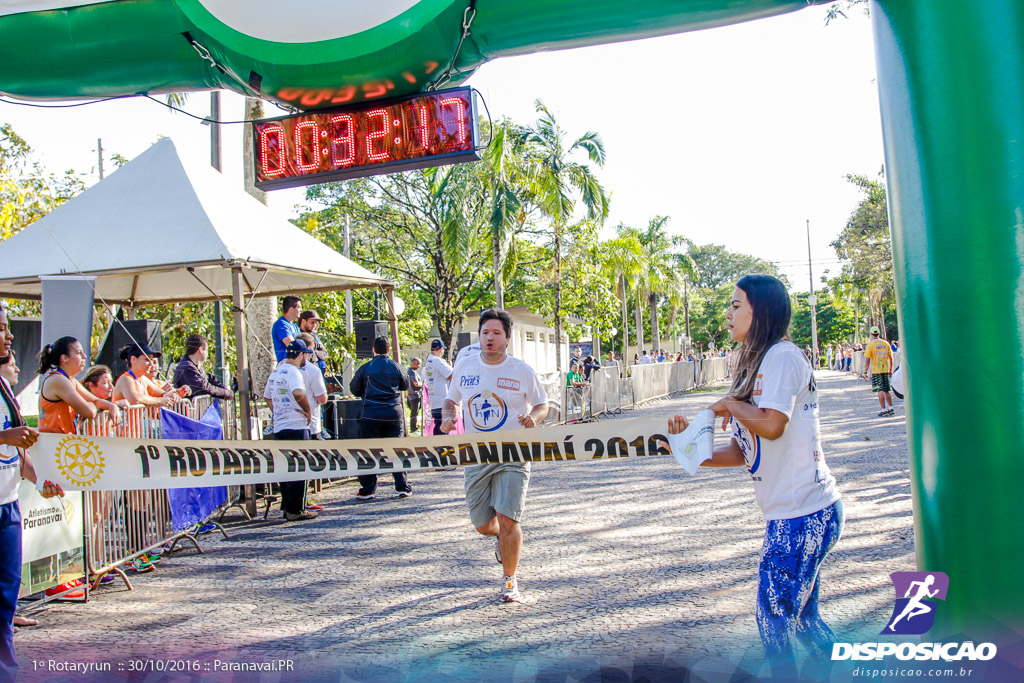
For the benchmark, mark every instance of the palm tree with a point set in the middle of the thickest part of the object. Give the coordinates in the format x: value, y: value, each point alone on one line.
x: 639, y: 283
x: 668, y: 269
x: 624, y: 264
x: 557, y: 177
x: 509, y: 186
x: 685, y: 269
x: 665, y: 272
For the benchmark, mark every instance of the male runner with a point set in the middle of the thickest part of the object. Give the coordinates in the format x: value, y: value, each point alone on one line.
x: 878, y: 361
x: 437, y: 371
x: 497, y: 392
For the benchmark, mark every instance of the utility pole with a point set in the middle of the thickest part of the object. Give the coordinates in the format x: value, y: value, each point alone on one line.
x: 218, y: 307
x: 99, y: 153
x: 686, y: 307
x: 350, y: 366
x: 812, y: 300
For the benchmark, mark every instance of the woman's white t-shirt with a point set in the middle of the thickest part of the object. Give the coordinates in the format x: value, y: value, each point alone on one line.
x: 791, y: 478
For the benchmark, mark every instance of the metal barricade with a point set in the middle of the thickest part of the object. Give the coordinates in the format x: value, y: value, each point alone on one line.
x: 576, y: 403
x: 609, y: 393
x: 231, y: 430
x: 123, y: 525
x: 605, y: 391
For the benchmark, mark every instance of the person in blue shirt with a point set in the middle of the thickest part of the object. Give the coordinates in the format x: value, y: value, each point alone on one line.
x: 285, y: 330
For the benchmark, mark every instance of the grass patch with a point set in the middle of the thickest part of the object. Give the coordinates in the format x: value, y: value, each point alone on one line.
x: 32, y: 420
x: 705, y: 390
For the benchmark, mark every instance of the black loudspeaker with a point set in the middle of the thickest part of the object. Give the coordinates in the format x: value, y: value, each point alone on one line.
x: 28, y: 334
x: 366, y: 331
x: 125, y: 332
x: 341, y: 417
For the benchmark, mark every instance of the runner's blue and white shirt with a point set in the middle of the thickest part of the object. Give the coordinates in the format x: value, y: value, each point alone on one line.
x: 10, y: 463
x: 494, y: 396
x: 791, y: 478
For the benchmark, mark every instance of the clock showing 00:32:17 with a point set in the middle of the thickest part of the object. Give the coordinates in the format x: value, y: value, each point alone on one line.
x: 384, y: 136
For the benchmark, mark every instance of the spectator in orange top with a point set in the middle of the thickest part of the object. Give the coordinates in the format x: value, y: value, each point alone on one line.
x: 100, y: 381
x: 136, y: 385
x: 153, y: 372
x: 61, y: 396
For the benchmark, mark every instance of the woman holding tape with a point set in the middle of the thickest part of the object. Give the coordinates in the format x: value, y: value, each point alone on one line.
x: 773, y: 409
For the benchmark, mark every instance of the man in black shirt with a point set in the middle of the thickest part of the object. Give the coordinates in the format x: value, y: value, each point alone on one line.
x: 380, y: 383
x: 189, y: 371
x: 415, y: 396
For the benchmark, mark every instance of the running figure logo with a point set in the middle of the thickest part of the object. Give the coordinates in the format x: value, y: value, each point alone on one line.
x: 487, y: 411
x: 914, y: 612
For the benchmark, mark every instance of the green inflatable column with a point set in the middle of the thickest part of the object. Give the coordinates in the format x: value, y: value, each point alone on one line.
x: 951, y: 85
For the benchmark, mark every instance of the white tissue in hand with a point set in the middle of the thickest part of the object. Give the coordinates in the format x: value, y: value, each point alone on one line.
x: 695, y: 444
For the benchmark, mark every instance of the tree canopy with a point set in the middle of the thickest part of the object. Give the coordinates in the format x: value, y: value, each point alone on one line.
x: 526, y: 220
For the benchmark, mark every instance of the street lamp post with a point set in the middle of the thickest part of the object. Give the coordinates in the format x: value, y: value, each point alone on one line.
x: 812, y: 299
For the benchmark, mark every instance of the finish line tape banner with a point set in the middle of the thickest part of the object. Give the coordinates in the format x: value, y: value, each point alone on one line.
x: 97, y: 463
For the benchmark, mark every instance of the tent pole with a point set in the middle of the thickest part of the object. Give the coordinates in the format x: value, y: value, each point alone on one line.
x: 242, y: 371
x: 396, y: 353
x: 349, y: 368
x: 218, y: 340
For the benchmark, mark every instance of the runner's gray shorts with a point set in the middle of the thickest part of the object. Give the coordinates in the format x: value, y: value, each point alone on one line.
x: 496, y: 488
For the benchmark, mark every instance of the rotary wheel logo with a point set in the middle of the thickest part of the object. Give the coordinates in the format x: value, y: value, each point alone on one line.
x: 80, y: 460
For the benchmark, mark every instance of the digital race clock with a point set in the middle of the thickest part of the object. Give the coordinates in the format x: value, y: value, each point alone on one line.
x: 385, y: 136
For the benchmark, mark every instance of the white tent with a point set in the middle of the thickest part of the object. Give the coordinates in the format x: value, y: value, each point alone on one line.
x: 156, y: 231
x: 153, y: 229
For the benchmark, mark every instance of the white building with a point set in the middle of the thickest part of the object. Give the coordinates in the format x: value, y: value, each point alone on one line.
x: 532, y: 339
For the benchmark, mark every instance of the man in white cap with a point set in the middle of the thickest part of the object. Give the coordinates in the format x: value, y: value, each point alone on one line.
x: 436, y: 372
x: 286, y: 396
x: 878, y: 361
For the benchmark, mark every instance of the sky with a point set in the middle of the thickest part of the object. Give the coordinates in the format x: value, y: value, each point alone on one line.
x: 739, y: 134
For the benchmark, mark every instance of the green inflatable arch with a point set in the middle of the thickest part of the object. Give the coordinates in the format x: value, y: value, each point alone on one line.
x: 951, y: 82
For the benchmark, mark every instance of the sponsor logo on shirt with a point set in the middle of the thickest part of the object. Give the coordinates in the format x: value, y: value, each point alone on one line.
x: 469, y: 381
x: 750, y: 444
x: 757, y: 385
x: 13, y: 459
x: 506, y: 383
x: 487, y: 411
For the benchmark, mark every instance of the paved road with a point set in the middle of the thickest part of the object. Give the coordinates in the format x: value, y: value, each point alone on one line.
x: 632, y: 570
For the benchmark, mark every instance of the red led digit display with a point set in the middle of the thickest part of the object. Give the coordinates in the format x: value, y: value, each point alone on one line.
x: 383, y: 136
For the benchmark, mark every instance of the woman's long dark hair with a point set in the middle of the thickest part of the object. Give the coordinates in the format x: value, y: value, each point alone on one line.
x: 769, y: 324
x: 7, y: 395
x: 49, y: 357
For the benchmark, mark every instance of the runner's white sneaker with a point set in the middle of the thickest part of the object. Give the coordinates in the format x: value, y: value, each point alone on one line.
x: 511, y: 592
